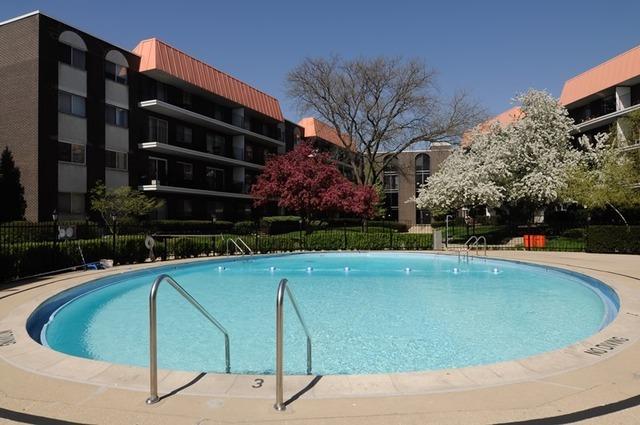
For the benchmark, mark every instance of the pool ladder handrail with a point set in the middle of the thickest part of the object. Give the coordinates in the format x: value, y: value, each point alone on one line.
x: 153, y: 332
x: 475, y: 245
x: 282, y: 290
x: 465, y: 248
x: 243, y: 243
x: 238, y: 246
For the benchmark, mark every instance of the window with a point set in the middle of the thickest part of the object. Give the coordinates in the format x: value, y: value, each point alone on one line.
x: 215, y: 208
x: 158, y: 130
x: 187, y: 170
x: 184, y: 134
x: 115, y: 72
x: 116, y: 160
x: 69, y: 152
x: 390, y: 181
x: 162, y: 93
x: 116, y: 116
x: 248, y: 153
x: 71, y: 104
x: 215, y: 144
x: 72, y: 56
x: 157, y: 169
x: 70, y: 203
x: 214, y: 178
x: 186, y: 98
x: 187, y: 208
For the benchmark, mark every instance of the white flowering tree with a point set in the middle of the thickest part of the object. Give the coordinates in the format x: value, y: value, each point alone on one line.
x: 524, y: 163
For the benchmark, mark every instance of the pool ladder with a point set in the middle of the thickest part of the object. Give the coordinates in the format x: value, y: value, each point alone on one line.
x: 471, y: 244
x: 240, y: 245
x: 153, y: 332
x: 283, y: 290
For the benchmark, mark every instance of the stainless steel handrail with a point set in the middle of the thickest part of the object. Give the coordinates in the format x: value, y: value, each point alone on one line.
x: 153, y: 332
x: 469, y: 241
x: 282, y: 288
x: 477, y: 242
x: 239, y: 239
x: 236, y: 245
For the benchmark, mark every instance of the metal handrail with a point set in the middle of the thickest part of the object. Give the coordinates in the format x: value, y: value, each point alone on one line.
x: 239, y: 239
x: 236, y: 245
x: 472, y: 238
x: 475, y: 244
x: 282, y: 289
x: 153, y: 332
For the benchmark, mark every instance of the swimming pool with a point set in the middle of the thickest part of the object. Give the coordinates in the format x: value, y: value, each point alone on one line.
x: 367, y: 313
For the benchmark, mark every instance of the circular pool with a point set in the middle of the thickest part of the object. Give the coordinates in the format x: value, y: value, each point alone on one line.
x: 366, y: 312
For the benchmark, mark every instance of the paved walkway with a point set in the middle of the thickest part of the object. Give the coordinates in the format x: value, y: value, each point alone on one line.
x: 603, y: 392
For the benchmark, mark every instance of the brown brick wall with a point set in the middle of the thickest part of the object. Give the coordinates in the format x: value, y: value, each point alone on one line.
x: 19, y: 102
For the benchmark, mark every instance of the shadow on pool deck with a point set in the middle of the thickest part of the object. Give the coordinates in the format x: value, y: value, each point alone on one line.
x: 33, y: 419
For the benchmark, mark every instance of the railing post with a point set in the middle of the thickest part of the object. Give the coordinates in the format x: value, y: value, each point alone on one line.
x: 280, y: 406
x: 113, y: 242
x: 153, y: 346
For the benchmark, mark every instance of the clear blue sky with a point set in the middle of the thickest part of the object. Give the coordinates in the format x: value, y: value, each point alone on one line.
x: 492, y: 48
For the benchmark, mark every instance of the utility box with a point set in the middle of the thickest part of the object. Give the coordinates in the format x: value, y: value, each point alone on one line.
x: 437, y: 240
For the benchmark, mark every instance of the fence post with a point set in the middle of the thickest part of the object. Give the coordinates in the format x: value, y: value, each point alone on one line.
x: 390, y: 238
x: 55, y: 240
x: 166, y: 248
x: 344, y: 232
x: 113, y: 242
x: 257, y: 248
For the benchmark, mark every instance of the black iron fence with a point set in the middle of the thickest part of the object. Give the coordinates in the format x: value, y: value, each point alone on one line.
x: 28, y: 249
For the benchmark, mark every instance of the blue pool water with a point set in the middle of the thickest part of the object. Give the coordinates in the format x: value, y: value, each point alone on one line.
x: 390, y: 312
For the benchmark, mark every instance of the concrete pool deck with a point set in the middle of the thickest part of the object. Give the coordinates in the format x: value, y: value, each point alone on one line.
x: 37, y: 383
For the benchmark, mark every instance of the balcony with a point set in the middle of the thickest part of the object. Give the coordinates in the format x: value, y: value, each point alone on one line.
x: 165, y: 148
x: 604, y: 119
x: 238, y: 128
x: 156, y: 186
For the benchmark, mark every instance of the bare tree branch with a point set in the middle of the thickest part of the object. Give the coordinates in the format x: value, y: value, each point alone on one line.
x: 379, y: 105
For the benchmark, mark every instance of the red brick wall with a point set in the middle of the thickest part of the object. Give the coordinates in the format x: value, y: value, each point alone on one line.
x: 19, y: 102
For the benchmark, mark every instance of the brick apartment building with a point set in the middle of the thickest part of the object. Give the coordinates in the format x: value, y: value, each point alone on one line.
x: 76, y: 110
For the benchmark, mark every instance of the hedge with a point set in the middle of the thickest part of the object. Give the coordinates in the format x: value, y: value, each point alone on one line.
x: 280, y: 224
x: 613, y: 239
x: 26, y: 259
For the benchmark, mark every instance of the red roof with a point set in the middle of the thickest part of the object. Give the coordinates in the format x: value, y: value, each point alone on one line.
x: 608, y: 74
x: 158, y: 55
x: 504, y: 118
x: 316, y: 128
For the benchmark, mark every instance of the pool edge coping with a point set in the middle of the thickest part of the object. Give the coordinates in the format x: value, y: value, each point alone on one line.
x: 28, y: 355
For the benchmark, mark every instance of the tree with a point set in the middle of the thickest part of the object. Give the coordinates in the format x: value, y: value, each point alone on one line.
x: 11, y: 190
x: 525, y: 164
x: 308, y: 182
x: 606, y: 176
x: 121, y: 203
x: 378, y: 105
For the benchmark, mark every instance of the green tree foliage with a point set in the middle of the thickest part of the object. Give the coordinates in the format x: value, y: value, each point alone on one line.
x: 608, y: 174
x: 11, y: 191
x: 121, y: 203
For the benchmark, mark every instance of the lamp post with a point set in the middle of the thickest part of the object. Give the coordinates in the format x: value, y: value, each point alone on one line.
x: 446, y: 224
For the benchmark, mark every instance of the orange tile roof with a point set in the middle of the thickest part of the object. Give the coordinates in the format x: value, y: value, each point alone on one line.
x: 316, y: 128
x: 608, y: 74
x: 505, y: 118
x: 158, y: 55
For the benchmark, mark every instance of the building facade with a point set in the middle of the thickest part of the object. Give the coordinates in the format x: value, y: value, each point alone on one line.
x: 153, y: 118
x: 77, y: 110
x: 403, y: 178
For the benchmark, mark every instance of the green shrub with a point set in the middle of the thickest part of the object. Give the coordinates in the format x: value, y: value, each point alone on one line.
x: 244, y: 228
x: 206, y: 227
x: 577, y: 233
x: 280, y: 224
x: 190, y: 247
x: 613, y: 239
